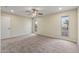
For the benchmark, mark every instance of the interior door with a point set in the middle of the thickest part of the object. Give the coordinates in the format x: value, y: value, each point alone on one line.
x: 34, y: 25
x: 5, y: 27
x: 65, y: 26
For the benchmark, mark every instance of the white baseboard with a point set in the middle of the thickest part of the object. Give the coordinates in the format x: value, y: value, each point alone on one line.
x: 0, y: 36
x: 49, y: 36
x: 17, y: 35
x: 58, y: 38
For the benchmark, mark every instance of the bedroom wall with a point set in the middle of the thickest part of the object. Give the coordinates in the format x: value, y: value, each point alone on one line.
x: 78, y: 26
x: 19, y: 25
x: 0, y: 22
x: 50, y: 25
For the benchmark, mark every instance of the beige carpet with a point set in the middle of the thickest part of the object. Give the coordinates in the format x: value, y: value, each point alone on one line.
x: 37, y: 44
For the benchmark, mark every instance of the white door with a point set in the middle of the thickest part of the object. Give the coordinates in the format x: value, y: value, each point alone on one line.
x: 65, y: 27
x: 5, y: 27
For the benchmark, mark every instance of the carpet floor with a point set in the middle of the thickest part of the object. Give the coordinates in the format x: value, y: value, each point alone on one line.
x: 37, y: 44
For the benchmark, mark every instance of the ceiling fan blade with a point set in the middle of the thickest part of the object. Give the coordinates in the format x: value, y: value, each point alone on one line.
x: 27, y: 11
x: 34, y: 9
x: 40, y: 13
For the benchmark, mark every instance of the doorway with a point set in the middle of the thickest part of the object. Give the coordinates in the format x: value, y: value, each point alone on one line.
x: 34, y: 25
x: 65, y: 26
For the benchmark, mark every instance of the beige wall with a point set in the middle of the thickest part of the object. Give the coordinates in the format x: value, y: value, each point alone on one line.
x: 0, y: 29
x: 0, y: 22
x: 47, y: 25
x: 19, y: 25
x: 78, y: 26
x: 51, y: 26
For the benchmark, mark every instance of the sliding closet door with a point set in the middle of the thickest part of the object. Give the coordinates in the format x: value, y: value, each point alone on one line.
x: 5, y: 27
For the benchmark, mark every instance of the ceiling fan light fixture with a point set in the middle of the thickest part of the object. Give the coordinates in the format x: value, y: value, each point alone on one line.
x: 12, y: 11
x: 34, y: 12
x: 60, y: 8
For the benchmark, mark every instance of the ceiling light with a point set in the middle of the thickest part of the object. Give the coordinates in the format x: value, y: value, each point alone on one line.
x: 12, y: 11
x: 36, y: 22
x: 60, y: 8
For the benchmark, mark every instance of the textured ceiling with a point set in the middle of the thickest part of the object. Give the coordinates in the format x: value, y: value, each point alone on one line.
x: 46, y: 10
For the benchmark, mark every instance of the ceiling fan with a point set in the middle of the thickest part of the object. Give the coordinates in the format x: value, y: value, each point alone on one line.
x: 34, y: 12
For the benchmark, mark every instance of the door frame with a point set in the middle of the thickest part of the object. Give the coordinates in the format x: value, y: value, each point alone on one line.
x: 63, y: 37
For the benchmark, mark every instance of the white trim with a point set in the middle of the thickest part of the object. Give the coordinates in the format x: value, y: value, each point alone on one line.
x: 78, y: 25
x: 17, y: 35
